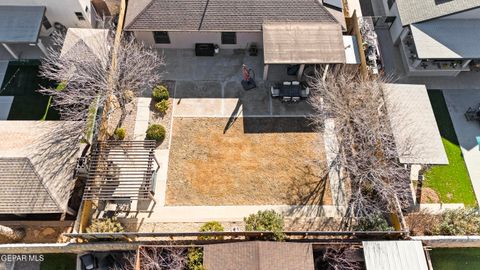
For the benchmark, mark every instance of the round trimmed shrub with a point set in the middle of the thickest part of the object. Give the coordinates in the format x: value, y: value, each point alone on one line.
x: 160, y: 92
x: 106, y: 225
x: 211, y: 226
x: 162, y: 106
x: 119, y: 133
x: 267, y: 220
x: 156, y: 132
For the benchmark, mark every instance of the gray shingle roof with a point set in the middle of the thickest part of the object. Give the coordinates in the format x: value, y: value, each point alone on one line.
x: 37, y: 160
x: 22, y: 190
x: 413, y: 11
x: 220, y: 15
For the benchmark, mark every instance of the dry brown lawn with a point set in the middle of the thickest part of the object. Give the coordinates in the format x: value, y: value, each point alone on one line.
x: 255, y: 161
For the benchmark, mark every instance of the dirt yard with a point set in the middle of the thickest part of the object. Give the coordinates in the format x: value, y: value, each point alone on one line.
x: 252, y: 161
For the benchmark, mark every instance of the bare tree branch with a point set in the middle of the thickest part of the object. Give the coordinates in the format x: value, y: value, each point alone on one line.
x: 85, y: 70
x: 366, y: 152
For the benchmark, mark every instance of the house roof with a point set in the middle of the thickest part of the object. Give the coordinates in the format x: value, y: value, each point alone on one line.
x: 413, y: 124
x: 258, y: 256
x: 413, y: 11
x: 20, y: 24
x: 95, y: 41
x: 447, y: 39
x: 220, y: 15
x: 394, y: 255
x: 37, y: 160
x: 303, y: 43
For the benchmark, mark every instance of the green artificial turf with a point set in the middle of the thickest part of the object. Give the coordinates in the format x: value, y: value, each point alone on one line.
x: 59, y: 262
x: 455, y: 258
x: 451, y: 182
x: 22, y: 81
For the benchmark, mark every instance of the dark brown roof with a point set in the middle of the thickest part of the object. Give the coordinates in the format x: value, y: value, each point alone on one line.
x: 258, y: 256
x: 220, y: 15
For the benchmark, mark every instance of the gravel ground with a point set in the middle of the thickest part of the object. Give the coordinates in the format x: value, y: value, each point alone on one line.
x: 164, y: 119
x: 129, y: 122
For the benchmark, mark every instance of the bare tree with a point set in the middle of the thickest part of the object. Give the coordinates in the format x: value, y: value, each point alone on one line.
x: 92, y: 73
x: 156, y: 258
x: 366, y: 151
x: 342, y: 258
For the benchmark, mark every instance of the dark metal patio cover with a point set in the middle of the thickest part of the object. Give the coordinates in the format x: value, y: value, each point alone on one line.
x: 20, y: 24
x: 120, y: 170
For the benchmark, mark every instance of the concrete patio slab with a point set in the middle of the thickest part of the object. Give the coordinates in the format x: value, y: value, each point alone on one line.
x: 458, y: 102
x: 225, y: 66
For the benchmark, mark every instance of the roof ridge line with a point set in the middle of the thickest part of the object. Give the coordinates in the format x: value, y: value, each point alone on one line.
x: 136, y: 16
x: 54, y: 199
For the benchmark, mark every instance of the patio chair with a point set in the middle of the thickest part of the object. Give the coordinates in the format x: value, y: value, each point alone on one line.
x: 471, y: 114
x: 287, y: 83
x: 275, y: 92
x: 305, y: 92
x: 295, y: 99
x: 286, y: 99
x: 295, y: 83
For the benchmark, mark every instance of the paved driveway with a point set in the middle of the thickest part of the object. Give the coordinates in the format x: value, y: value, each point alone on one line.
x: 458, y: 102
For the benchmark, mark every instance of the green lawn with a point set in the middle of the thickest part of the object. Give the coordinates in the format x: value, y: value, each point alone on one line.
x: 455, y: 258
x: 22, y: 81
x: 451, y: 182
x: 59, y: 262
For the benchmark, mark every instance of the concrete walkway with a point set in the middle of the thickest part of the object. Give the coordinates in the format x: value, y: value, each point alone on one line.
x: 233, y: 213
x: 331, y: 149
x: 142, y: 118
x: 458, y: 102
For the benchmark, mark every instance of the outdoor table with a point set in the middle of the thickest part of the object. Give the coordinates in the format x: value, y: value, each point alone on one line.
x: 290, y: 90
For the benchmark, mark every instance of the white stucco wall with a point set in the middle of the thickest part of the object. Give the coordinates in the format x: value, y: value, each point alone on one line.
x: 62, y: 11
x: 187, y: 40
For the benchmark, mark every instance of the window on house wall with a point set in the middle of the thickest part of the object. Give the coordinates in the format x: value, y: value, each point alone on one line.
x: 229, y: 38
x: 161, y: 37
x: 46, y: 23
x: 390, y: 3
x: 80, y: 16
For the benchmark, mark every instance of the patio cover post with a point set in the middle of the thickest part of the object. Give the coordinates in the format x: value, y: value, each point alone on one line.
x: 10, y: 50
x: 300, y: 72
x: 466, y: 63
x: 42, y: 47
x: 265, y: 72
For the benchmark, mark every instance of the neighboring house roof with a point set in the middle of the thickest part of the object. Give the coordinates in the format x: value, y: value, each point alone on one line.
x: 20, y: 24
x: 95, y: 41
x: 258, y: 256
x: 394, y: 255
x: 447, y: 39
x: 413, y: 124
x: 37, y: 161
x: 413, y: 11
x: 303, y: 43
x: 220, y: 15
